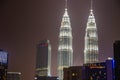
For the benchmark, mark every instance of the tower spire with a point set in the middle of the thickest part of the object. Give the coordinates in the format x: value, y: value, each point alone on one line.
x: 91, y: 6
x: 65, y: 4
x: 66, y: 13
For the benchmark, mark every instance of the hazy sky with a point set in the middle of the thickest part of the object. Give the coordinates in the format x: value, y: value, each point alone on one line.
x: 23, y: 23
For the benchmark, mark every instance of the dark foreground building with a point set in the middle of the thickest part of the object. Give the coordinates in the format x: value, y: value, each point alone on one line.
x: 117, y: 59
x: 74, y: 73
x: 100, y: 71
x: 94, y: 71
x: 3, y: 65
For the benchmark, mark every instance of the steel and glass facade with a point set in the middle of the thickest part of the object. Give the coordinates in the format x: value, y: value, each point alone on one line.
x: 91, y: 41
x: 65, y: 51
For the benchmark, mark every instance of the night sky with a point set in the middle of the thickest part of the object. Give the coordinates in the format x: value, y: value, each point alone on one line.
x: 23, y: 23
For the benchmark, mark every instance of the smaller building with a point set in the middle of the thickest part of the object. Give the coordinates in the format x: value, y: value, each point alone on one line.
x: 43, y: 58
x: 95, y: 71
x: 116, y: 47
x: 110, y: 69
x: 91, y: 71
x: 100, y: 71
x: 3, y: 65
x: 13, y: 76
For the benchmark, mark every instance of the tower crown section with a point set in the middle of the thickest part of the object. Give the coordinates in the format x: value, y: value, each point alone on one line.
x: 91, y: 20
x: 91, y: 17
x: 65, y: 20
x: 66, y: 13
x: 65, y: 29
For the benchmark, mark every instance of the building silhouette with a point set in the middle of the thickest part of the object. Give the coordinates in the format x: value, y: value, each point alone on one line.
x: 117, y: 59
x: 100, y: 70
x: 43, y: 58
x: 91, y: 40
x: 74, y: 73
x: 65, y: 51
x: 91, y: 71
x: 3, y: 65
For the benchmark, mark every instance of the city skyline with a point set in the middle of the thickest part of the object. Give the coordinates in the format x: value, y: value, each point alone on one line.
x: 24, y: 23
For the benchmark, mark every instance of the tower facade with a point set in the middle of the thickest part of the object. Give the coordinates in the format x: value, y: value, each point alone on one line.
x: 43, y: 58
x: 91, y: 40
x: 65, y: 51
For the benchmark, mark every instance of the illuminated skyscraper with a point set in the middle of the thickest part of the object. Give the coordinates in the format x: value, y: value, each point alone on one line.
x: 91, y: 40
x: 43, y: 58
x: 65, y: 51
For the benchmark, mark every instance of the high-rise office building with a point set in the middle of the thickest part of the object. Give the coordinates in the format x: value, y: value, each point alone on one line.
x: 65, y: 51
x: 13, y: 76
x: 3, y: 65
x: 91, y: 40
x: 117, y: 59
x: 43, y: 58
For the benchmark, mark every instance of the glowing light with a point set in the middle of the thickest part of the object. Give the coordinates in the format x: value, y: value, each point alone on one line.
x: 109, y: 58
x: 73, y: 74
x: 97, y: 67
x: 3, y: 57
x: 113, y: 63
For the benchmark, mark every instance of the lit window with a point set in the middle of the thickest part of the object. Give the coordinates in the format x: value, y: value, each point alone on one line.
x: 73, y: 74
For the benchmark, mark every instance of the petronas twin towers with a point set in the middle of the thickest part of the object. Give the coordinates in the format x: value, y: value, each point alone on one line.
x: 65, y: 50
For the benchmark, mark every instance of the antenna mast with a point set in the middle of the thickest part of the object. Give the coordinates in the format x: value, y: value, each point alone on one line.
x: 66, y: 4
x: 91, y: 5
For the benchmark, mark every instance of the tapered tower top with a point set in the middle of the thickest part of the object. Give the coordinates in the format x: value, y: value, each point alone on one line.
x: 91, y: 5
x: 66, y: 13
x: 65, y: 19
x: 66, y: 4
x: 91, y: 17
